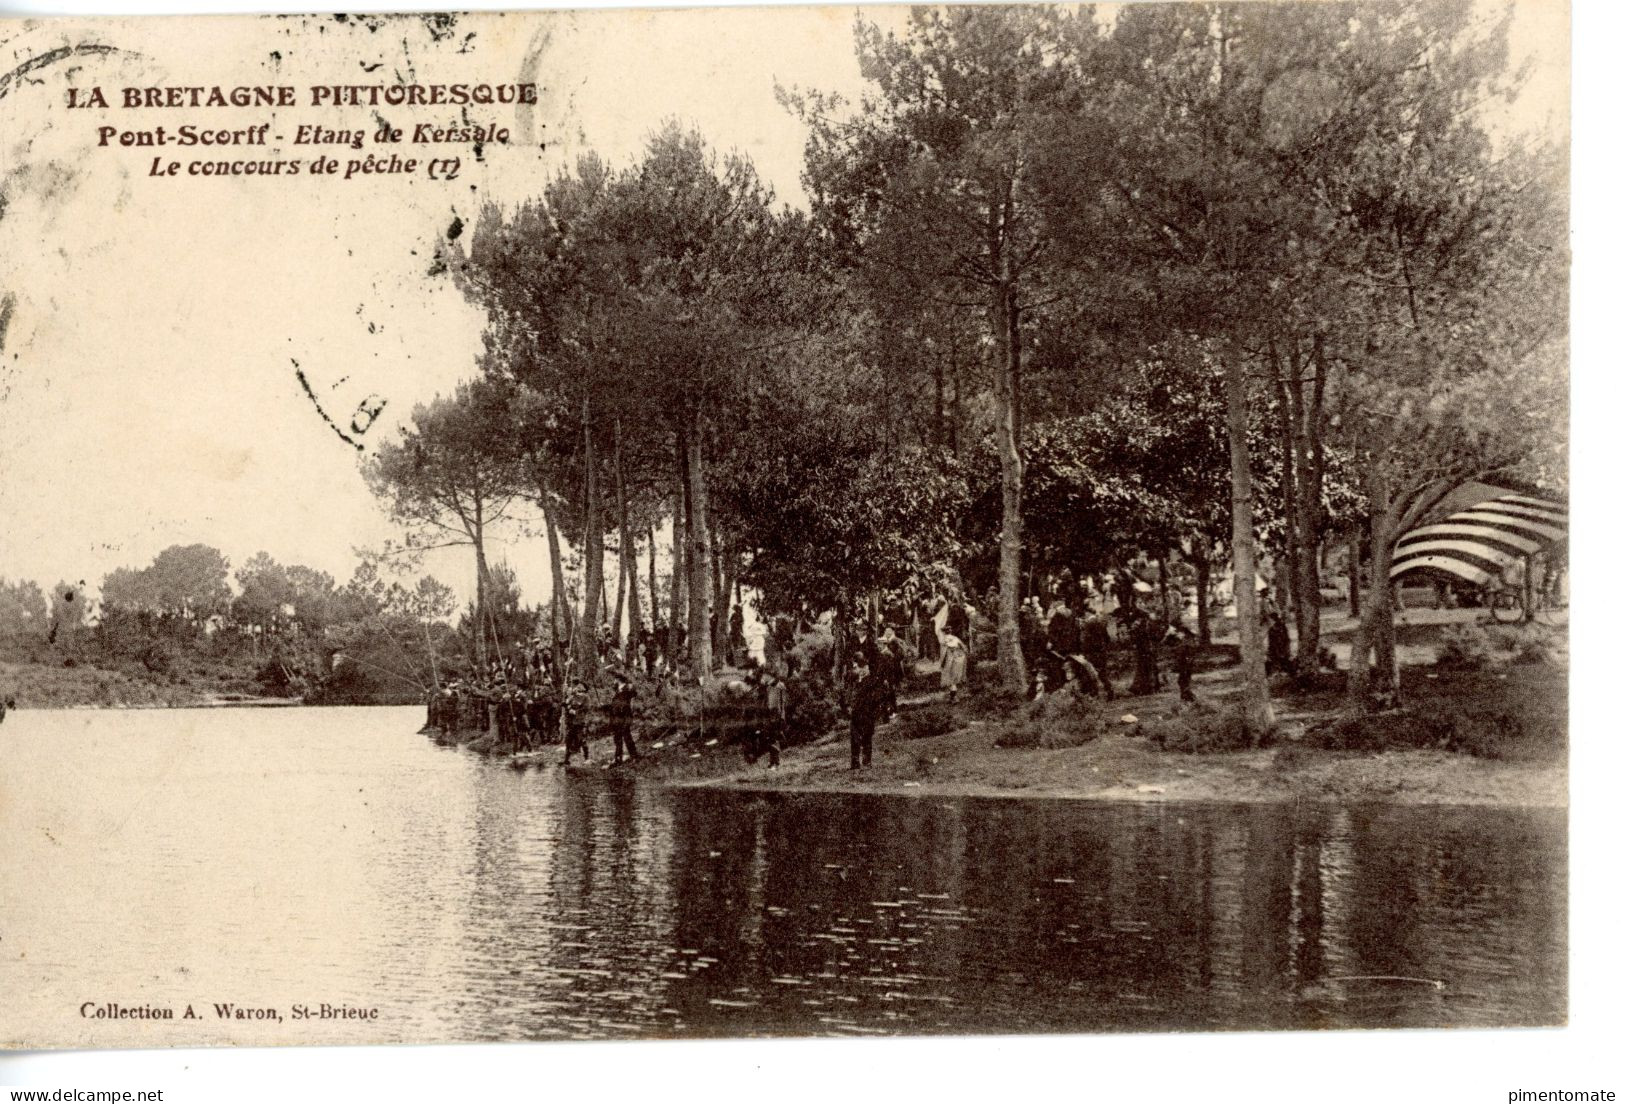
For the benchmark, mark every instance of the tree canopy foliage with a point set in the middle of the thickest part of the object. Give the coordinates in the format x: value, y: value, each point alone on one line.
x: 1214, y: 282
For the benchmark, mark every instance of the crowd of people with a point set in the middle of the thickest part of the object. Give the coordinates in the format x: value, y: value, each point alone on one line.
x: 1065, y: 649
x: 528, y: 699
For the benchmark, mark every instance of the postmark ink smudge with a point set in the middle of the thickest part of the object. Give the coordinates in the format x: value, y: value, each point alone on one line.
x: 310, y: 393
x: 50, y: 57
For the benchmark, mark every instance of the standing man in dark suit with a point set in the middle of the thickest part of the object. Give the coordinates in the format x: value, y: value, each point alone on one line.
x: 620, y: 720
x: 868, y: 704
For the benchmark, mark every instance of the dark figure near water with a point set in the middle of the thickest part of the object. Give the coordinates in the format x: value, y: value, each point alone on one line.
x: 1184, y: 661
x: 7, y: 706
x: 573, y: 710
x: 536, y: 716
x: 889, y: 668
x: 1143, y: 633
x: 1063, y: 638
x: 450, y: 703
x: 930, y: 646
x: 775, y: 702
x: 864, y: 647
x: 765, y: 736
x: 1278, y: 656
x: 1030, y: 625
x: 620, y: 721
x: 1095, y: 643
x: 504, y: 712
x: 868, y: 706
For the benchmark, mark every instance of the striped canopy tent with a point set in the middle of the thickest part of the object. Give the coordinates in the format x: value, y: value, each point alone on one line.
x: 1477, y: 544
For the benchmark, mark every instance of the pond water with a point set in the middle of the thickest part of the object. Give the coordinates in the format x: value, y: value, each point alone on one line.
x: 270, y: 858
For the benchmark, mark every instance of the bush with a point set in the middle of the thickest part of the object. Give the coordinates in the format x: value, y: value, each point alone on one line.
x: 1055, y: 722
x: 1487, y: 731
x: 1380, y: 731
x: 1528, y: 645
x: 1026, y: 733
x: 1073, y: 731
x: 157, y: 658
x: 811, y: 713
x: 1201, y: 732
x: 925, y: 722
x: 1463, y: 648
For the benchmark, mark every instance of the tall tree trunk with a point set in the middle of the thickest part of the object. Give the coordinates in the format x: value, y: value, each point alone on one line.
x: 1374, y: 683
x: 1359, y: 681
x: 629, y: 551
x: 679, y: 554
x: 1311, y: 465
x: 654, y: 586
x: 1007, y: 439
x: 620, y: 593
x: 1257, y: 714
x: 1354, y: 573
x: 561, y: 612
x: 1290, y: 474
x: 699, y: 606
x: 482, y: 575
x: 719, y: 602
x: 726, y: 573
x: 1201, y: 557
x: 586, y: 638
x: 626, y: 553
x: 1162, y: 586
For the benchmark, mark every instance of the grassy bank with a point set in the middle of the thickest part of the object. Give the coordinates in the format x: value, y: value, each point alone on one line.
x: 1491, y: 736
x: 1510, y: 715
x: 1484, y: 721
x: 53, y: 685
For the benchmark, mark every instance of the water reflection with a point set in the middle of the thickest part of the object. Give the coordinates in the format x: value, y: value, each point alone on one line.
x: 346, y: 859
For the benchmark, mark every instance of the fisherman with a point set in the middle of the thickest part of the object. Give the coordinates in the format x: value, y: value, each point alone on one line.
x: 1143, y: 634
x: 620, y: 719
x: 509, y: 706
x: 889, y: 667
x: 776, y: 704
x: 1279, y: 651
x: 449, y: 709
x: 521, y: 713
x: 1184, y: 660
x: 1095, y: 642
x: 535, y: 730
x: 573, y: 720
x: 868, y: 705
x: 1030, y: 630
x: 1062, y: 637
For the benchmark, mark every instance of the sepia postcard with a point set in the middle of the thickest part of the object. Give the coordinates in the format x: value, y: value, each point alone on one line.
x: 796, y: 521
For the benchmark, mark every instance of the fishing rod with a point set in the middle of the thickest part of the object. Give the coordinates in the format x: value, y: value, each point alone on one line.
x: 382, y: 670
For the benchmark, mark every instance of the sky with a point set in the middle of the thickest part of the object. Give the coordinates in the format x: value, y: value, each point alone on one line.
x: 149, y: 388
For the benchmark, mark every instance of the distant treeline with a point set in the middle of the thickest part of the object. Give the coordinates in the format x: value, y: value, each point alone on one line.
x: 271, y: 628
